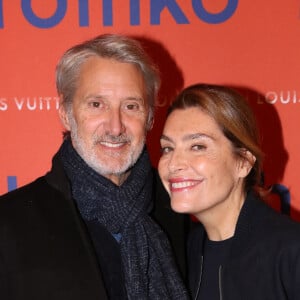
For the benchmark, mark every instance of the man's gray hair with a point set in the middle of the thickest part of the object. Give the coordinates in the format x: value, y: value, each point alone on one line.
x: 113, y: 46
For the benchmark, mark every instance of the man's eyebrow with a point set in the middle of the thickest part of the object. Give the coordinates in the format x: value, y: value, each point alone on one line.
x: 141, y: 99
x: 103, y: 96
x: 94, y: 96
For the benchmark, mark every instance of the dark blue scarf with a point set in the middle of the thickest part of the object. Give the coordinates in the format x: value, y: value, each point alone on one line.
x: 149, y: 269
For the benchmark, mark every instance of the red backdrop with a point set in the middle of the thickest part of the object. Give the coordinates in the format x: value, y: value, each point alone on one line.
x: 251, y: 45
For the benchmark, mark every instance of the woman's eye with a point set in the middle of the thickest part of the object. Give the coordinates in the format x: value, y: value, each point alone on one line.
x: 165, y: 150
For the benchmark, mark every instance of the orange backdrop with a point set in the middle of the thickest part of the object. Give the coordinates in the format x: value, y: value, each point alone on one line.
x: 252, y: 45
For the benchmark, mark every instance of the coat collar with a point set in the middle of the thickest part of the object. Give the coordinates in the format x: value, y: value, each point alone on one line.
x: 57, y: 177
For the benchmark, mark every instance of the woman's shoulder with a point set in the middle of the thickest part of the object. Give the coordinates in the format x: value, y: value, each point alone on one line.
x: 276, y: 228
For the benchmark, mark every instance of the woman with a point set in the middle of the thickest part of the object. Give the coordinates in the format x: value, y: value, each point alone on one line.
x: 211, y: 166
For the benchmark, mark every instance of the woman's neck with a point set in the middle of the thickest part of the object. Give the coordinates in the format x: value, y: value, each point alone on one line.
x: 220, y: 221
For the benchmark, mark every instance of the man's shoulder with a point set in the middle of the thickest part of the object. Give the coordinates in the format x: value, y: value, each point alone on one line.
x: 24, y: 195
x: 18, y: 207
x: 24, y: 190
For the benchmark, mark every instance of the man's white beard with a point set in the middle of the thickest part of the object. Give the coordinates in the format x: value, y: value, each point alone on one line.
x: 102, y: 166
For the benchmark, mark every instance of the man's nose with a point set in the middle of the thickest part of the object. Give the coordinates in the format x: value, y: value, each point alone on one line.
x: 115, y: 124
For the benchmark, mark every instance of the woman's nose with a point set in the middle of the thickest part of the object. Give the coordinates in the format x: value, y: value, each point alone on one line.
x: 177, y: 161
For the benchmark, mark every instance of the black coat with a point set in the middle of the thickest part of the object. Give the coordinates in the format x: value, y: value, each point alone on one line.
x: 264, y: 260
x: 45, y: 248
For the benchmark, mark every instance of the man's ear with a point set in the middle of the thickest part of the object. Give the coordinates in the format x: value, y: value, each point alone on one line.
x: 63, y: 114
x: 150, y: 123
x: 247, y: 162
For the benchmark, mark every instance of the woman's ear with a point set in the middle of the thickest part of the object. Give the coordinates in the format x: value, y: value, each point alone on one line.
x: 246, y: 163
x: 63, y: 114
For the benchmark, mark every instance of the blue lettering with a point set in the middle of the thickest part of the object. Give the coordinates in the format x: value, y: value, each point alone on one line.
x: 156, y: 8
x: 217, y: 18
x: 135, y: 12
x: 107, y: 13
x: 11, y: 183
x: 158, y: 5
x: 285, y: 197
x: 44, y: 22
x: 83, y: 13
x: 1, y: 14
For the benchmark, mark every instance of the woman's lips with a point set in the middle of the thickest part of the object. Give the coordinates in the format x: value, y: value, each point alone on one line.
x: 179, y: 184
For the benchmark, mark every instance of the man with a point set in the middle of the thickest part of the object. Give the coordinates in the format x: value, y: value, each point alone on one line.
x: 83, y: 230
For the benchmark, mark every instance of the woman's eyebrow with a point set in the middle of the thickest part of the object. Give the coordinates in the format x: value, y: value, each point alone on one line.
x: 188, y: 137
x: 194, y: 136
x: 165, y: 138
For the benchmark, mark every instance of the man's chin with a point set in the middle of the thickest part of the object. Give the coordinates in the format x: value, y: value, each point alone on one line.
x: 109, y: 168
